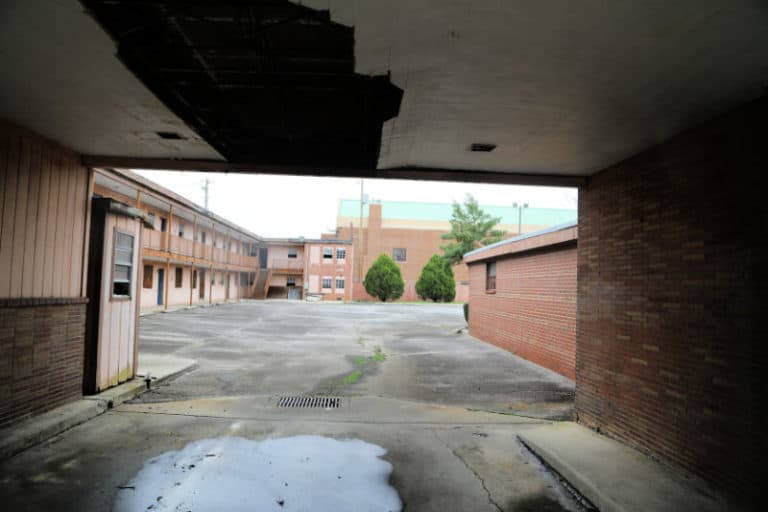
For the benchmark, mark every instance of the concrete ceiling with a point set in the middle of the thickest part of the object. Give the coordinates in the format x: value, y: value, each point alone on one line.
x: 61, y: 79
x: 561, y: 87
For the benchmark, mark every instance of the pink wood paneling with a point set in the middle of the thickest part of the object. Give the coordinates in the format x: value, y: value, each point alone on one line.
x: 43, y: 211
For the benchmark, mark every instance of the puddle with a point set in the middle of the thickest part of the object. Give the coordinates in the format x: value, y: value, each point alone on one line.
x: 299, y: 473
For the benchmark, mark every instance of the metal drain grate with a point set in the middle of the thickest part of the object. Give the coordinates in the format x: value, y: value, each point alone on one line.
x: 321, y: 402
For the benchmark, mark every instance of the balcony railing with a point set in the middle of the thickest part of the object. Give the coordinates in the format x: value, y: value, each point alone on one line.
x: 286, y: 264
x: 156, y: 240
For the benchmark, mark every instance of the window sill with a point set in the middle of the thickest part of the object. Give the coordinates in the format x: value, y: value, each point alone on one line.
x: 490, y: 292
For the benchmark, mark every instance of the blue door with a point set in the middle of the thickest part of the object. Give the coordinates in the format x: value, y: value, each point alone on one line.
x: 160, y: 284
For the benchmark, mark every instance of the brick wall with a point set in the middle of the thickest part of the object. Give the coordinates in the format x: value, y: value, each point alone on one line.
x: 533, y: 311
x: 667, y: 358
x: 42, y: 363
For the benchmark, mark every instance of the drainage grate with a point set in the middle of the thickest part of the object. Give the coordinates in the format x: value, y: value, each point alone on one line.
x: 322, y: 402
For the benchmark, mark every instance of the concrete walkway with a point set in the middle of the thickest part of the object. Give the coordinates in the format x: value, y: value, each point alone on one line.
x: 614, y: 477
x: 40, y: 428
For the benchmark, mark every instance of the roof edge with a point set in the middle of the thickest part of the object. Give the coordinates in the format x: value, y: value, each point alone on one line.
x: 554, y: 235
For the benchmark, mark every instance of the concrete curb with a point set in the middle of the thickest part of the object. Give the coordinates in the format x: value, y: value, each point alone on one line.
x: 615, y: 477
x: 47, y: 425
x: 33, y: 431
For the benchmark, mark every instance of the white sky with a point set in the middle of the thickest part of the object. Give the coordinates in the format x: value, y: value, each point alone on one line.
x: 292, y: 206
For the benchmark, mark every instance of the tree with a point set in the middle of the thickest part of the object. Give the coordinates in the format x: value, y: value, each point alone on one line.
x: 384, y: 280
x: 436, y: 281
x: 471, y: 228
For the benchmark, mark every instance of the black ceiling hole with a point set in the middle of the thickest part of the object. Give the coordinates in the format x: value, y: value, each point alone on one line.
x: 262, y: 81
x: 482, y: 147
x: 169, y: 135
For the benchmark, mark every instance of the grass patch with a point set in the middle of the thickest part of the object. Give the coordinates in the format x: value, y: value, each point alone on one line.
x: 352, y: 377
x: 378, y: 355
x: 361, y: 360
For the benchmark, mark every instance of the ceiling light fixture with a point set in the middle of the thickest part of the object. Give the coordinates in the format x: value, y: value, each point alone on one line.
x: 482, y: 147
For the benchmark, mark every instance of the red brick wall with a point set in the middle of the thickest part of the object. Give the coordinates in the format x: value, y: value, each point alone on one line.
x: 42, y: 358
x: 667, y: 358
x: 533, y: 312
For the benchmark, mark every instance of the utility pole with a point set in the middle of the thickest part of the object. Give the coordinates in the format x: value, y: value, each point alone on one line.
x: 360, y: 236
x: 519, y: 207
x: 206, y: 183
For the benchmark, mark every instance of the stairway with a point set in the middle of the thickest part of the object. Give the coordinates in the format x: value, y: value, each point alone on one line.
x: 260, y: 285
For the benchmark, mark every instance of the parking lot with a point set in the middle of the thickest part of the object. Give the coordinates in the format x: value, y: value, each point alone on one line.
x: 442, y: 407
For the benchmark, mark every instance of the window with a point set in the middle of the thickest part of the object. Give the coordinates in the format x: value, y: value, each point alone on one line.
x: 194, y: 279
x: 221, y: 277
x: 148, y: 275
x: 291, y: 281
x: 341, y: 254
x: 292, y: 253
x: 163, y: 224
x: 179, y: 277
x: 339, y: 283
x: 490, y: 276
x: 213, y: 279
x: 398, y: 254
x: 123, y: 257
x: 327, y: 253
x: 181, y: 230
x: 327, y: 282
x: 202, y: 236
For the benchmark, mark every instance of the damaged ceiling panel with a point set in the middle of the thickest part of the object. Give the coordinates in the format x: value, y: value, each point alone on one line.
x: 263, y: 81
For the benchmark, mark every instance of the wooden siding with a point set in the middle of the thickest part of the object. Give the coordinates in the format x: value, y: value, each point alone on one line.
x: 117, y: 326
x: 43, y: 216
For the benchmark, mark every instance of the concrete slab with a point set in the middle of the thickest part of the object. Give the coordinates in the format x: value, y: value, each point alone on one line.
x: 615, y: 477
x: 444, y: 458
x: 32, y: 431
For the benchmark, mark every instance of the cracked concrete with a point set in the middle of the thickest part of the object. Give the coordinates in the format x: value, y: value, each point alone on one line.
x: 445, y: 457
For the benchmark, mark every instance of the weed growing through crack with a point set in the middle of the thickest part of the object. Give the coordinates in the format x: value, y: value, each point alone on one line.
x: 378, y: 355
x: 353, y: 377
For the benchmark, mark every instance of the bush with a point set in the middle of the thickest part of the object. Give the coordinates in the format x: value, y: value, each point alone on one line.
x: 436, y: 281
x: 384, y: 280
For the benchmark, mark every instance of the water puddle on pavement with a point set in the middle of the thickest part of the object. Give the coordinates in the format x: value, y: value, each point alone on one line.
x: 300, y: 473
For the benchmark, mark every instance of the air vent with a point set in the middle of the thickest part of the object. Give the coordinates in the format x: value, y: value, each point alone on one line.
x: 305, y: 402
x: 169, y: 135
x: 482, y: 147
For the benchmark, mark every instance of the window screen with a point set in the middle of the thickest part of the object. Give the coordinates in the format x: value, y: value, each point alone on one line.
x: 398, y: 254
x: 123, y: 256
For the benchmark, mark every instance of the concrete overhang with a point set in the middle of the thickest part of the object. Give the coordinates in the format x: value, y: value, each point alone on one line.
x: 562, y: 89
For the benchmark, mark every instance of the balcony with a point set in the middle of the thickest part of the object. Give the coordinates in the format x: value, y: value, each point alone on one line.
x: 156, y: 240
x: 287, y: 265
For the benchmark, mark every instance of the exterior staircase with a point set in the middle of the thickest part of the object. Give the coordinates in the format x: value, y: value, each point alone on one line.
x: 261, y: 284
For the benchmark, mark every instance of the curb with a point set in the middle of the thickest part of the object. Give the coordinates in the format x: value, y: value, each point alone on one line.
x: 33, y: 431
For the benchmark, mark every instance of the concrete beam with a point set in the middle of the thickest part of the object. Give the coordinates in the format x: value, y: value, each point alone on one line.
x: 400, y: 173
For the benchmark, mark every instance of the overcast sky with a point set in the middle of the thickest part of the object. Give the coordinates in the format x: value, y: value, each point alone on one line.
x: 279, y: 206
